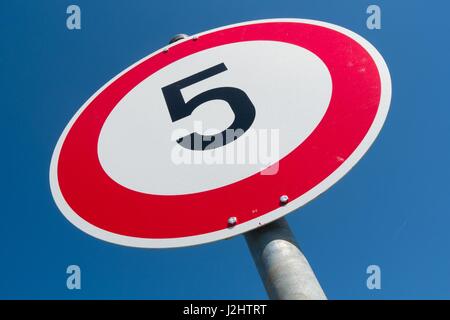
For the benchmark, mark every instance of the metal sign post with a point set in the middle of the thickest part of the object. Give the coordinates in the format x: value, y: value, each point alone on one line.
x: 281, y: 264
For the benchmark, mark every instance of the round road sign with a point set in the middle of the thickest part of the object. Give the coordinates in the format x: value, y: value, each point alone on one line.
x: 220, y: 133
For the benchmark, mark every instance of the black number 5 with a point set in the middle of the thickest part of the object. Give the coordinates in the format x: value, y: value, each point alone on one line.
x: 244, y: 111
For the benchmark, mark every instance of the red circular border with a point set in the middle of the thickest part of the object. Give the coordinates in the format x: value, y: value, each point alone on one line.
x: 102, y: 202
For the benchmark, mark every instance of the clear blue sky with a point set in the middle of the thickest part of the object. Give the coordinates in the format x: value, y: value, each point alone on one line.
x: 392, y: 209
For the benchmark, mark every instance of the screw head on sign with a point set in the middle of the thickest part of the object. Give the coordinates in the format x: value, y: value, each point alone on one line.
x: 232, y: 221
x: 284, y: 199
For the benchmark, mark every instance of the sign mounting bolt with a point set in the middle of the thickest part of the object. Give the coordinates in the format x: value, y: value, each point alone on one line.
x: 284, y: 199
x: 232, y: 221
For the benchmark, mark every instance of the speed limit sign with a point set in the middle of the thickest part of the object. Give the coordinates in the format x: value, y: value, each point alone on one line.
x: 220, y: 133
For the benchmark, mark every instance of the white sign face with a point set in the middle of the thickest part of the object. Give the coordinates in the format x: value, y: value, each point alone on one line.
x: 134, y: 156
x: 220, y: 126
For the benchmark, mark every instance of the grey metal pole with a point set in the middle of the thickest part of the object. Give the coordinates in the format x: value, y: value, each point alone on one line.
x: 282, y: 266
